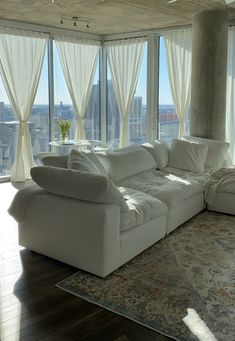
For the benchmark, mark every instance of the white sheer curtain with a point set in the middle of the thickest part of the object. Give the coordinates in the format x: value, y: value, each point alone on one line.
x: 230, y: 101
x: 21, y: 59
x: 125, y: 59
x: 179, y: 61
x: 78, y: 59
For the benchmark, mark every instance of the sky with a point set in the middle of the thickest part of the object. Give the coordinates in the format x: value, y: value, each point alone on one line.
x: 62, y: 94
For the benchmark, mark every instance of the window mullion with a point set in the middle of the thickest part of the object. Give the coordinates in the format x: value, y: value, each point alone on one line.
x: 51, y: 89
x: 103, y: 94
x: 152, y: 86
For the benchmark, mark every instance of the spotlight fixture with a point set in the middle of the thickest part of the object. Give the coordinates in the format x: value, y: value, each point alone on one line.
x: 75, y: 20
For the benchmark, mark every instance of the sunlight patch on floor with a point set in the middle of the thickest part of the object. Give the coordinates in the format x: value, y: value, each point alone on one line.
x: 197, y: 326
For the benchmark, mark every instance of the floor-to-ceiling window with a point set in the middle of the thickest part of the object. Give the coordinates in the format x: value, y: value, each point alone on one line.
x: 64, y: 107
x: 63, y: 103
x: 137, y: 119
x: 138, y: 112
x: 8, y: 132
x: 113, y: 115
x: 168, y: 123
x: 38, y: 123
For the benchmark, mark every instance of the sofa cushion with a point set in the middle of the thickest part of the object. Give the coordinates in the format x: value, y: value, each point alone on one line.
x: 187, y: 155
x: 159, y: 151
x: 141, y: 208
x: 21, y: 200
x: 125, y: 162
x: 94, y: 158
x: 201, y: 178
x: 217, y: 150
x: 170, y: 189
x: 83, y: 162
x: 79, y: 185
x: 56, y: 161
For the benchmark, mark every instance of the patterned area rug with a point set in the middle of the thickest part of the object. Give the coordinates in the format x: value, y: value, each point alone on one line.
x: 194, y: 267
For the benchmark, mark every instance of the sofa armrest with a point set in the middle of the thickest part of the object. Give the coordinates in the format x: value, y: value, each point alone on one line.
x: 20, y: 202
x: 82, y: 234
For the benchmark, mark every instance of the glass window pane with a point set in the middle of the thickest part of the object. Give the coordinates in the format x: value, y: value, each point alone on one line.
x: 92, y: 116
x: 63, y: 103
x: 8, y: 133
x: 64, y: 107
x: 113, y: 115
x: 138, y: 113
x: 168, y: 122
x: 38, y: 121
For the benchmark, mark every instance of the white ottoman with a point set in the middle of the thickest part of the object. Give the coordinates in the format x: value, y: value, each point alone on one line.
x: 224, y: 198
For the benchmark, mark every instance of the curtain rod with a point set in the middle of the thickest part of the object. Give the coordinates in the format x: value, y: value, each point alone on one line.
x: 139, y: 34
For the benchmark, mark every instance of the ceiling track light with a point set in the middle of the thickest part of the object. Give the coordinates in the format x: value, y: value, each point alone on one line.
x: 75, y: 20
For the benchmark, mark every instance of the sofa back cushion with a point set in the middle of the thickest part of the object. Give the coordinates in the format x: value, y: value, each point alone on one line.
x: 217, y: 150
x: 79, y: 185
x: 187, y: 155
x: 125, y: 162
x: 56, y: 161
x: 85, y: 161
x: 159, y: 151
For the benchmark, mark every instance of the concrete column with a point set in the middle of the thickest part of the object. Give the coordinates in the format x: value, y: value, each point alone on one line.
x: 209, y: 69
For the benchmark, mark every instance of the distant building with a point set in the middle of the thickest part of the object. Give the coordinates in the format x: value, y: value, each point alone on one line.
x: 2, y: 111
x: 136, y: 128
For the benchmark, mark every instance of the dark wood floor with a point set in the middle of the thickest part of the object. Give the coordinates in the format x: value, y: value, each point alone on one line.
x: 32, y: 308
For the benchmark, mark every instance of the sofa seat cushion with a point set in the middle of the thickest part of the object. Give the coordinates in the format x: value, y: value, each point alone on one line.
x: 202, y: 178
x: 169, y: 188
x: 141, y: 208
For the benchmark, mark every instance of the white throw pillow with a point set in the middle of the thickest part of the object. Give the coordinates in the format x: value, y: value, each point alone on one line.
x: 187, y: 155
x: 79, y: 185
x: 85, y: 162
x: 125, y: 162
x: 217, y: 150
x: 159, y: 151
x: 56, y: 161
x: 94, y: 158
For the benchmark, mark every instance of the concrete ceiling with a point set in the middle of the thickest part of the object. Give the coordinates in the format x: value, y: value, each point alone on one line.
x: 109, y: 16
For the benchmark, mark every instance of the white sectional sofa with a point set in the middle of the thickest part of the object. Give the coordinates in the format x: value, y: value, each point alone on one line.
x: 97, y: 211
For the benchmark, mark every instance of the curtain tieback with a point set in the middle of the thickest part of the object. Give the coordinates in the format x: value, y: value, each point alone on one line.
x: 23, y: 126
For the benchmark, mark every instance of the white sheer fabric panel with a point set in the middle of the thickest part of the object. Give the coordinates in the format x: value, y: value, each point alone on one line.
x: 230, y: 101
x: 125, y: 60
x: 21, y: 59
x: 179, y: 61
x: 78, y: 61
